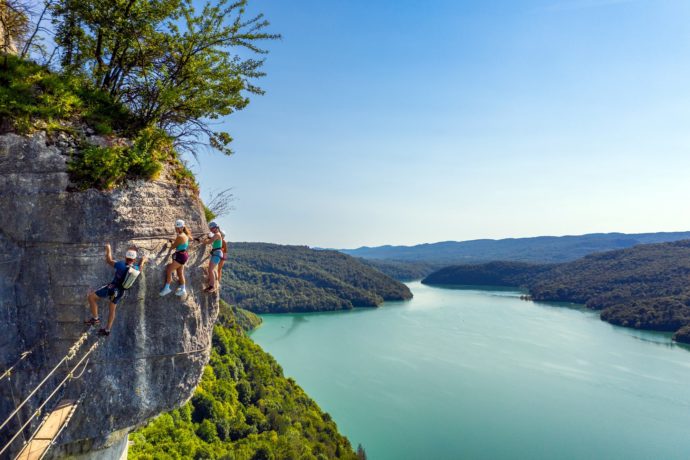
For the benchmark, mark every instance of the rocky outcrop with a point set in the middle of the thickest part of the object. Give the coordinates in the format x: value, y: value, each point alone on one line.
x: 51, y: 253
x: 682, y: 335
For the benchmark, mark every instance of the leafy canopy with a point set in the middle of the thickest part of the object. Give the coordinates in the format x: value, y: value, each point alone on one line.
x: 174, y: 67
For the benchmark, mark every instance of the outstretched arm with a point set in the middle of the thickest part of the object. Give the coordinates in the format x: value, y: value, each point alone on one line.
x: 143, y: 261
x: 108, y: 255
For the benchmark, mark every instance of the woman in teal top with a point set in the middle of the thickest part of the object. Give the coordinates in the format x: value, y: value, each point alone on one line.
x: 215, y: 239
x: 181, y: 243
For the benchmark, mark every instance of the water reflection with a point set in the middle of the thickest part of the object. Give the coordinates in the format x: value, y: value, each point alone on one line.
x: 482, y: 362
x: 472, y: 287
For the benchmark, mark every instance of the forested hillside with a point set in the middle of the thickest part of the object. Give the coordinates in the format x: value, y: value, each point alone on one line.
x: 541, y: 249
x: 402, y: 270
x: 645, y: 287
x: 271, y: 278
x: 244, y: 408
x: 489, y: 274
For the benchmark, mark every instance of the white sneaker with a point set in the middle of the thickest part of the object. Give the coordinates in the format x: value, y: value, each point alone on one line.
x: 180, y: 291
x: 165, y: 291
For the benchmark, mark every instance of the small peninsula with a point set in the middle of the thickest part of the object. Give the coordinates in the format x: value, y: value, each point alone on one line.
x: 272, y: 278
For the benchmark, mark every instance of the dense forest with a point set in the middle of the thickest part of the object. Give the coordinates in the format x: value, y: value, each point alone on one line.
x: 244, y: 408
x: 541, y: 249
x: 644, y: 287
x: 488, y: 274
x: 271, y: 278
x: 402, y: 270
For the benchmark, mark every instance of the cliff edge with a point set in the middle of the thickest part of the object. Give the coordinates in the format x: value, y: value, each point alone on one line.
x: 51, y: 254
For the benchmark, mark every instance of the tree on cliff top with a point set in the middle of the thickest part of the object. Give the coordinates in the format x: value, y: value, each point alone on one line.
x: 14, y: 24
x: 174, y: 67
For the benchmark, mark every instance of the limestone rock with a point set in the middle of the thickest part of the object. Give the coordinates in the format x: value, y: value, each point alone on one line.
x: 51, y: 254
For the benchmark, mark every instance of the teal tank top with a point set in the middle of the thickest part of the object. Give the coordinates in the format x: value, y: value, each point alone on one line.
x: 183, y: 246
x: 217, y: 244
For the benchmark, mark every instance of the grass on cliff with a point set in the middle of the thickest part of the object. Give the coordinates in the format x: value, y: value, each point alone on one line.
x: 244, y: 409
x: 34, y: 98
x: 32, y: 95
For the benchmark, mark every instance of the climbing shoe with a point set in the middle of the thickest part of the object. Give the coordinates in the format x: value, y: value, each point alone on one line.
x: 165, y: 291
x: 92, y: 322
x: 104, y: 332
x: 180, y: 291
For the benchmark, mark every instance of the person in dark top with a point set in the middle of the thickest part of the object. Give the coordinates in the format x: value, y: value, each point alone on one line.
x: 113, y: 290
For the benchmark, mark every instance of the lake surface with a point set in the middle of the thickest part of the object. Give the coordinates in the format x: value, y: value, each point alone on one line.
x: 459, y: 373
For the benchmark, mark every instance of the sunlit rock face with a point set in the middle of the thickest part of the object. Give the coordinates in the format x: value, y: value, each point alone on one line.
x: 51, y: 253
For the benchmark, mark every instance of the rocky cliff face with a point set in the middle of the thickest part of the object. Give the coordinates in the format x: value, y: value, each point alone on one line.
x: 51, y: 253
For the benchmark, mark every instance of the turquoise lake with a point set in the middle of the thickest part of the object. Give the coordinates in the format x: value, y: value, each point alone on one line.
x: 481, y: 374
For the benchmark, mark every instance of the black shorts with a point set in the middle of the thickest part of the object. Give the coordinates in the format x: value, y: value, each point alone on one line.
x: 181, y: 257
x: 115, y: 294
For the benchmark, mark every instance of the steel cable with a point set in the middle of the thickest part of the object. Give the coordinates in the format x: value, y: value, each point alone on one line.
x: 43, y: 404
x: 70, y: 354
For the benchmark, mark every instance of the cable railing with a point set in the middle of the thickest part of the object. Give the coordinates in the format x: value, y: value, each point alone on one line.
x: 38, y: 410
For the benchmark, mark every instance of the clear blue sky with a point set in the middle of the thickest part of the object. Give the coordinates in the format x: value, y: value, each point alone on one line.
x: 402, y: 122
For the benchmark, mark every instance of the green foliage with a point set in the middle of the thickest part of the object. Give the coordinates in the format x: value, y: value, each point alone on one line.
x: 175, y: 67
x: 244, y: 408
x: 30, y: 92
x: 272, y: 278
x: 489, y: 274
x: 181, y: 174
x: 98, y: 167
x: 105, y: 167
x: 33, y: 97
x: 245, y: 319
x: 210, y: 215
x: 403, y: 270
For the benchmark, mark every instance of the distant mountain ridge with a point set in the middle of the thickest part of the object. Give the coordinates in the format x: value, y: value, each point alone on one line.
x: 541, y: 249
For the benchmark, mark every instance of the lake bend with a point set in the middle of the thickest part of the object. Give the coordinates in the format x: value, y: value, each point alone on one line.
x: 481, y: 374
